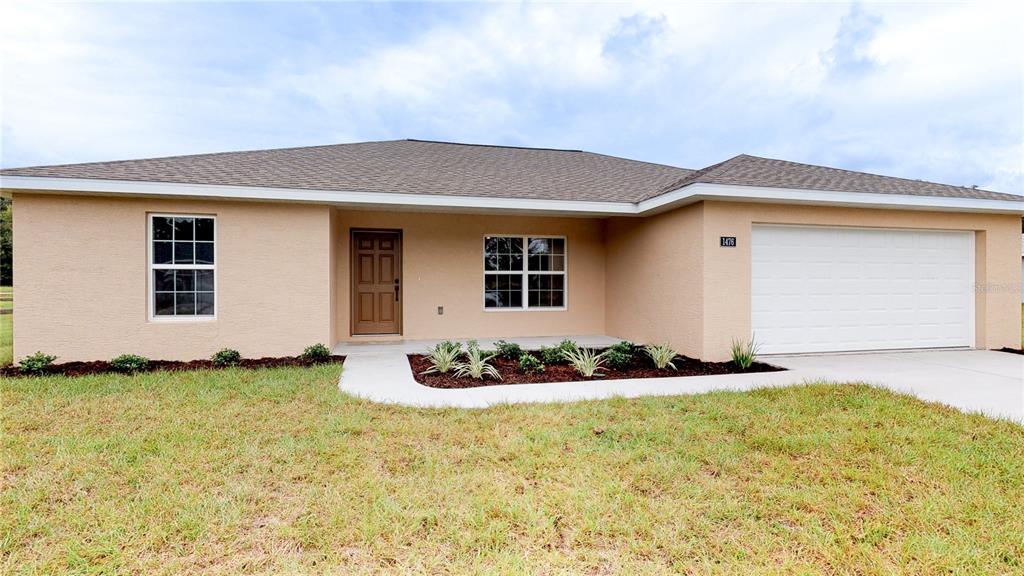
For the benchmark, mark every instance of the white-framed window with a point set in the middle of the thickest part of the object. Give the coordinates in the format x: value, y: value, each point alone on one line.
x: 524, y: 272
x: 182, y: 267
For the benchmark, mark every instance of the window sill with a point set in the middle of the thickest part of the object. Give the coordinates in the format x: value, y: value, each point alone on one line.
x: 181, y: 319
x: 562, y: 309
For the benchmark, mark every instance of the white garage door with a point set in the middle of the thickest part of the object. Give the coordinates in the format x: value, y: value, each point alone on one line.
x: 839, y: 289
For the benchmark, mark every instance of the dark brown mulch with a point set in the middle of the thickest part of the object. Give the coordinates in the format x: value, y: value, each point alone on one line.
x: 1011, y: 350
x: 103, y: 367
x: 641, y: 368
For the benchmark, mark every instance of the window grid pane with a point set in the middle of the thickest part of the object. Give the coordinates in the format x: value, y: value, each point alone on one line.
x: 183, y: 292
x: 183, y: 258
x: 503, y: 254
x: 503, y: 290
x: 546, y: 264
x: 542, y: 278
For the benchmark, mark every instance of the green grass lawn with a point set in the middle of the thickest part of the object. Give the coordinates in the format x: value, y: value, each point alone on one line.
x: 6, y: 328
x: 274, y: 471
x: 6, y: 338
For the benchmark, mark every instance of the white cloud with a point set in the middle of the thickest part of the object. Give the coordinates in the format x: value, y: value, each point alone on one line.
x: 930, y: 91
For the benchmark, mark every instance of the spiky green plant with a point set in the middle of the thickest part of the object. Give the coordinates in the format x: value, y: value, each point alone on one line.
x: 744, y: 353
x: 443, y: 357
x: 476, y: 365
x: 586, y: 361
x: 662, y: 355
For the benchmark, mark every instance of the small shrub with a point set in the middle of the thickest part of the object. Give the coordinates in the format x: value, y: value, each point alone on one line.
x: 557, y: 354
x: 316, y: 353
x: 744, y: 354
x: 36, y: 363
x: 509, y: 350
x: 568, y: 346
x: 129, y: 363
x: 619, y: 356
x: 662, y: 355
x: 550, y: 355
x: 226, y: 357
x: 476, y: 365
x: 586, y: 361
x: 443, y: 357
x: 474, y: 345
x: 529, y: 364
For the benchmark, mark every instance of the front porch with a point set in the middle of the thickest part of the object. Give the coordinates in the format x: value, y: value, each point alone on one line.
x: 377, y: 346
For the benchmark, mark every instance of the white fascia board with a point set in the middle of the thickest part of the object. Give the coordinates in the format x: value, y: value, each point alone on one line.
x: 333, y: 197
x: 700, y: 191
x: 435, y: 202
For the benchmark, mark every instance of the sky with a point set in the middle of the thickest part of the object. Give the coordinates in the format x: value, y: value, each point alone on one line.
x: 933, y: 91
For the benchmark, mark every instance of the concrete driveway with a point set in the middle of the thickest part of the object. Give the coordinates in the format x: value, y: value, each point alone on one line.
x: 971, y: 380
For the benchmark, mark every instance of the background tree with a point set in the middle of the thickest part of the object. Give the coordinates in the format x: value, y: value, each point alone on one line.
x: 6, y: 259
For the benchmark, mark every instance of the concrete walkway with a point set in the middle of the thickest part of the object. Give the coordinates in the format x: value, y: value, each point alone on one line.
x: 988, y: 382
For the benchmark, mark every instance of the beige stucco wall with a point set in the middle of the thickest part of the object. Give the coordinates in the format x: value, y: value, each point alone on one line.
x: 81, y: 272
x: 669, y: 280
x: 654, y: 285
x: 283, y: 275
x: 442, y: 265
x: 727, y: 270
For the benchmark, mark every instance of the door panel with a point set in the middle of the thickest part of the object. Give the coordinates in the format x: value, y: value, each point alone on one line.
x: 376, y: 282
x: 365, y: 269
x: 365, y: 307
x: 820, y: 289
x: 387, y: 308
x: 387, y: 268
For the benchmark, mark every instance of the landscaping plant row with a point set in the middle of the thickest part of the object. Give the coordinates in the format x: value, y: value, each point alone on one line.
x: 40, y: 364
x: 448, y: 365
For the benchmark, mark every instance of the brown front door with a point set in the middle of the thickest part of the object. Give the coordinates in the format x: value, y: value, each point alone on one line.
x: 376, y: 282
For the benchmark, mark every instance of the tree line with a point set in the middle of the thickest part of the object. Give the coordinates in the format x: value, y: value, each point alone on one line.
x: 6, y: 257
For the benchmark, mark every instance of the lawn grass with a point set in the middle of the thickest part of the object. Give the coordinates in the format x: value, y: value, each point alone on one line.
x: 6, y: 327
x: 275, y: 471
x: 6, y: 338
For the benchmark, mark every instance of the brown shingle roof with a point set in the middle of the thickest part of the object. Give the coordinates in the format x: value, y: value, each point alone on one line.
x: 744, y: 170
x: 399, y: 166
x: 426, y: 167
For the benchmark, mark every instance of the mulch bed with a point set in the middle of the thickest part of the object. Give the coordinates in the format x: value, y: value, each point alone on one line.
x: 103, y: 367
x: 640, y: 368
x: 1011, y: 350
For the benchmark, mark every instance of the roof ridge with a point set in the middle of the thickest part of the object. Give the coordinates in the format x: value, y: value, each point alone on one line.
x: 695, y: 176
x: 590, y: 152
x: 491, y: 145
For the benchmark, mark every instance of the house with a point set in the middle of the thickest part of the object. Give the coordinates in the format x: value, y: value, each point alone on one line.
x: 268, y: 251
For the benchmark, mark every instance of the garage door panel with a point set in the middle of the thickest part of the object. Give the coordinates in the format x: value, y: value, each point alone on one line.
x: 834, y: 289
